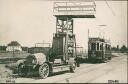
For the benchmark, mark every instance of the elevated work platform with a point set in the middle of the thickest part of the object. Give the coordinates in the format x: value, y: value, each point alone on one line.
x: 64, y: 13
x: 75, y: 9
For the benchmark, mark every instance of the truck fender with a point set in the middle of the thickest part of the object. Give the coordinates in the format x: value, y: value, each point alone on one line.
x: 19, y: 62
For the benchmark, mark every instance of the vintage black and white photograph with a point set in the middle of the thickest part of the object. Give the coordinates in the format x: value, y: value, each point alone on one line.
x: 63, y: 41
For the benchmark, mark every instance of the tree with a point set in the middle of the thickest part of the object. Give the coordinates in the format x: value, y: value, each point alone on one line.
x: 117, y: 47
x: 114, y: 48
x: 3, y: 48
x: 123, y: 49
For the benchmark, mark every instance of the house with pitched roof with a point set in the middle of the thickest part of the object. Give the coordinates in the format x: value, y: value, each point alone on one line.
x: 13, y: 46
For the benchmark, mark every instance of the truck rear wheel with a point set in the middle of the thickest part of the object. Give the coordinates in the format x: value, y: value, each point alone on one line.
x: 72, y: 68
x: 44, y: 71
x: 109, y: 58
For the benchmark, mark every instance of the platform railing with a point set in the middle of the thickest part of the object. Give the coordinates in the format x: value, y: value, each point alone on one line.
x: 74, y: 8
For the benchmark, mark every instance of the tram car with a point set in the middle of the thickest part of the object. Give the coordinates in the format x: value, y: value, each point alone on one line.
x: 99, y: 50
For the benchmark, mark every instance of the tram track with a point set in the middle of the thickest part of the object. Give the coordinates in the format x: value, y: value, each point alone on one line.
x: 99, y: 63
x: 88, y: 70
x: 96, y: 64
x: 103, y: 73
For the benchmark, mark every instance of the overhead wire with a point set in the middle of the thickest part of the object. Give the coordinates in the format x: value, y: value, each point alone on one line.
x: 110, y: 8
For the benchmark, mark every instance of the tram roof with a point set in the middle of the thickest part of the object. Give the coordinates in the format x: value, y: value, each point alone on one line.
x: 98, y: 39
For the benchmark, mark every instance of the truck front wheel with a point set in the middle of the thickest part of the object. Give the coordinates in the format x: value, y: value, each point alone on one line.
x: 44, y: 70
x: 21, y: 70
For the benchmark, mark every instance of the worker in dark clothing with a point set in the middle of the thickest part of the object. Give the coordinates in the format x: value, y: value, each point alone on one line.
x: 77, y: 62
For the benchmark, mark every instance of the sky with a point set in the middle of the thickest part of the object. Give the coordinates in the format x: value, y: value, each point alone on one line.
x: 32, y: 21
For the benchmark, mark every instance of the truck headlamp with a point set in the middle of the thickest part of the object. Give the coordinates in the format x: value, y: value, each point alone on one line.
x: 34, y: 61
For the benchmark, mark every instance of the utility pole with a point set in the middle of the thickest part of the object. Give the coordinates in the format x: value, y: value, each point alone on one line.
x: 88, y: 34
x: 102, y: 31
x: 88, y: 41
x: 13, y: 51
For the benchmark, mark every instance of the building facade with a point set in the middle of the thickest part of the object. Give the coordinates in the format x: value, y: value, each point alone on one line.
x: 13, y: 46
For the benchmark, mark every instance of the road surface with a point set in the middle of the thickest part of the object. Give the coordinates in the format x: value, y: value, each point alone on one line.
x: 114, y: 70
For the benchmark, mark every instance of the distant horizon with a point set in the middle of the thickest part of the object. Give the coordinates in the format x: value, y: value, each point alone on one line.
x: 30, y: 21
x: 51, y: 45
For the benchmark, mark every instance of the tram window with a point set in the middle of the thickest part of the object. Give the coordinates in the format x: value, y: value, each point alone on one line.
x: 106, y: 47
x: 109, y: 47
x: 93, y: 46
x: 97, y: 46
x: 101, y: 46
x: 89, y: 46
